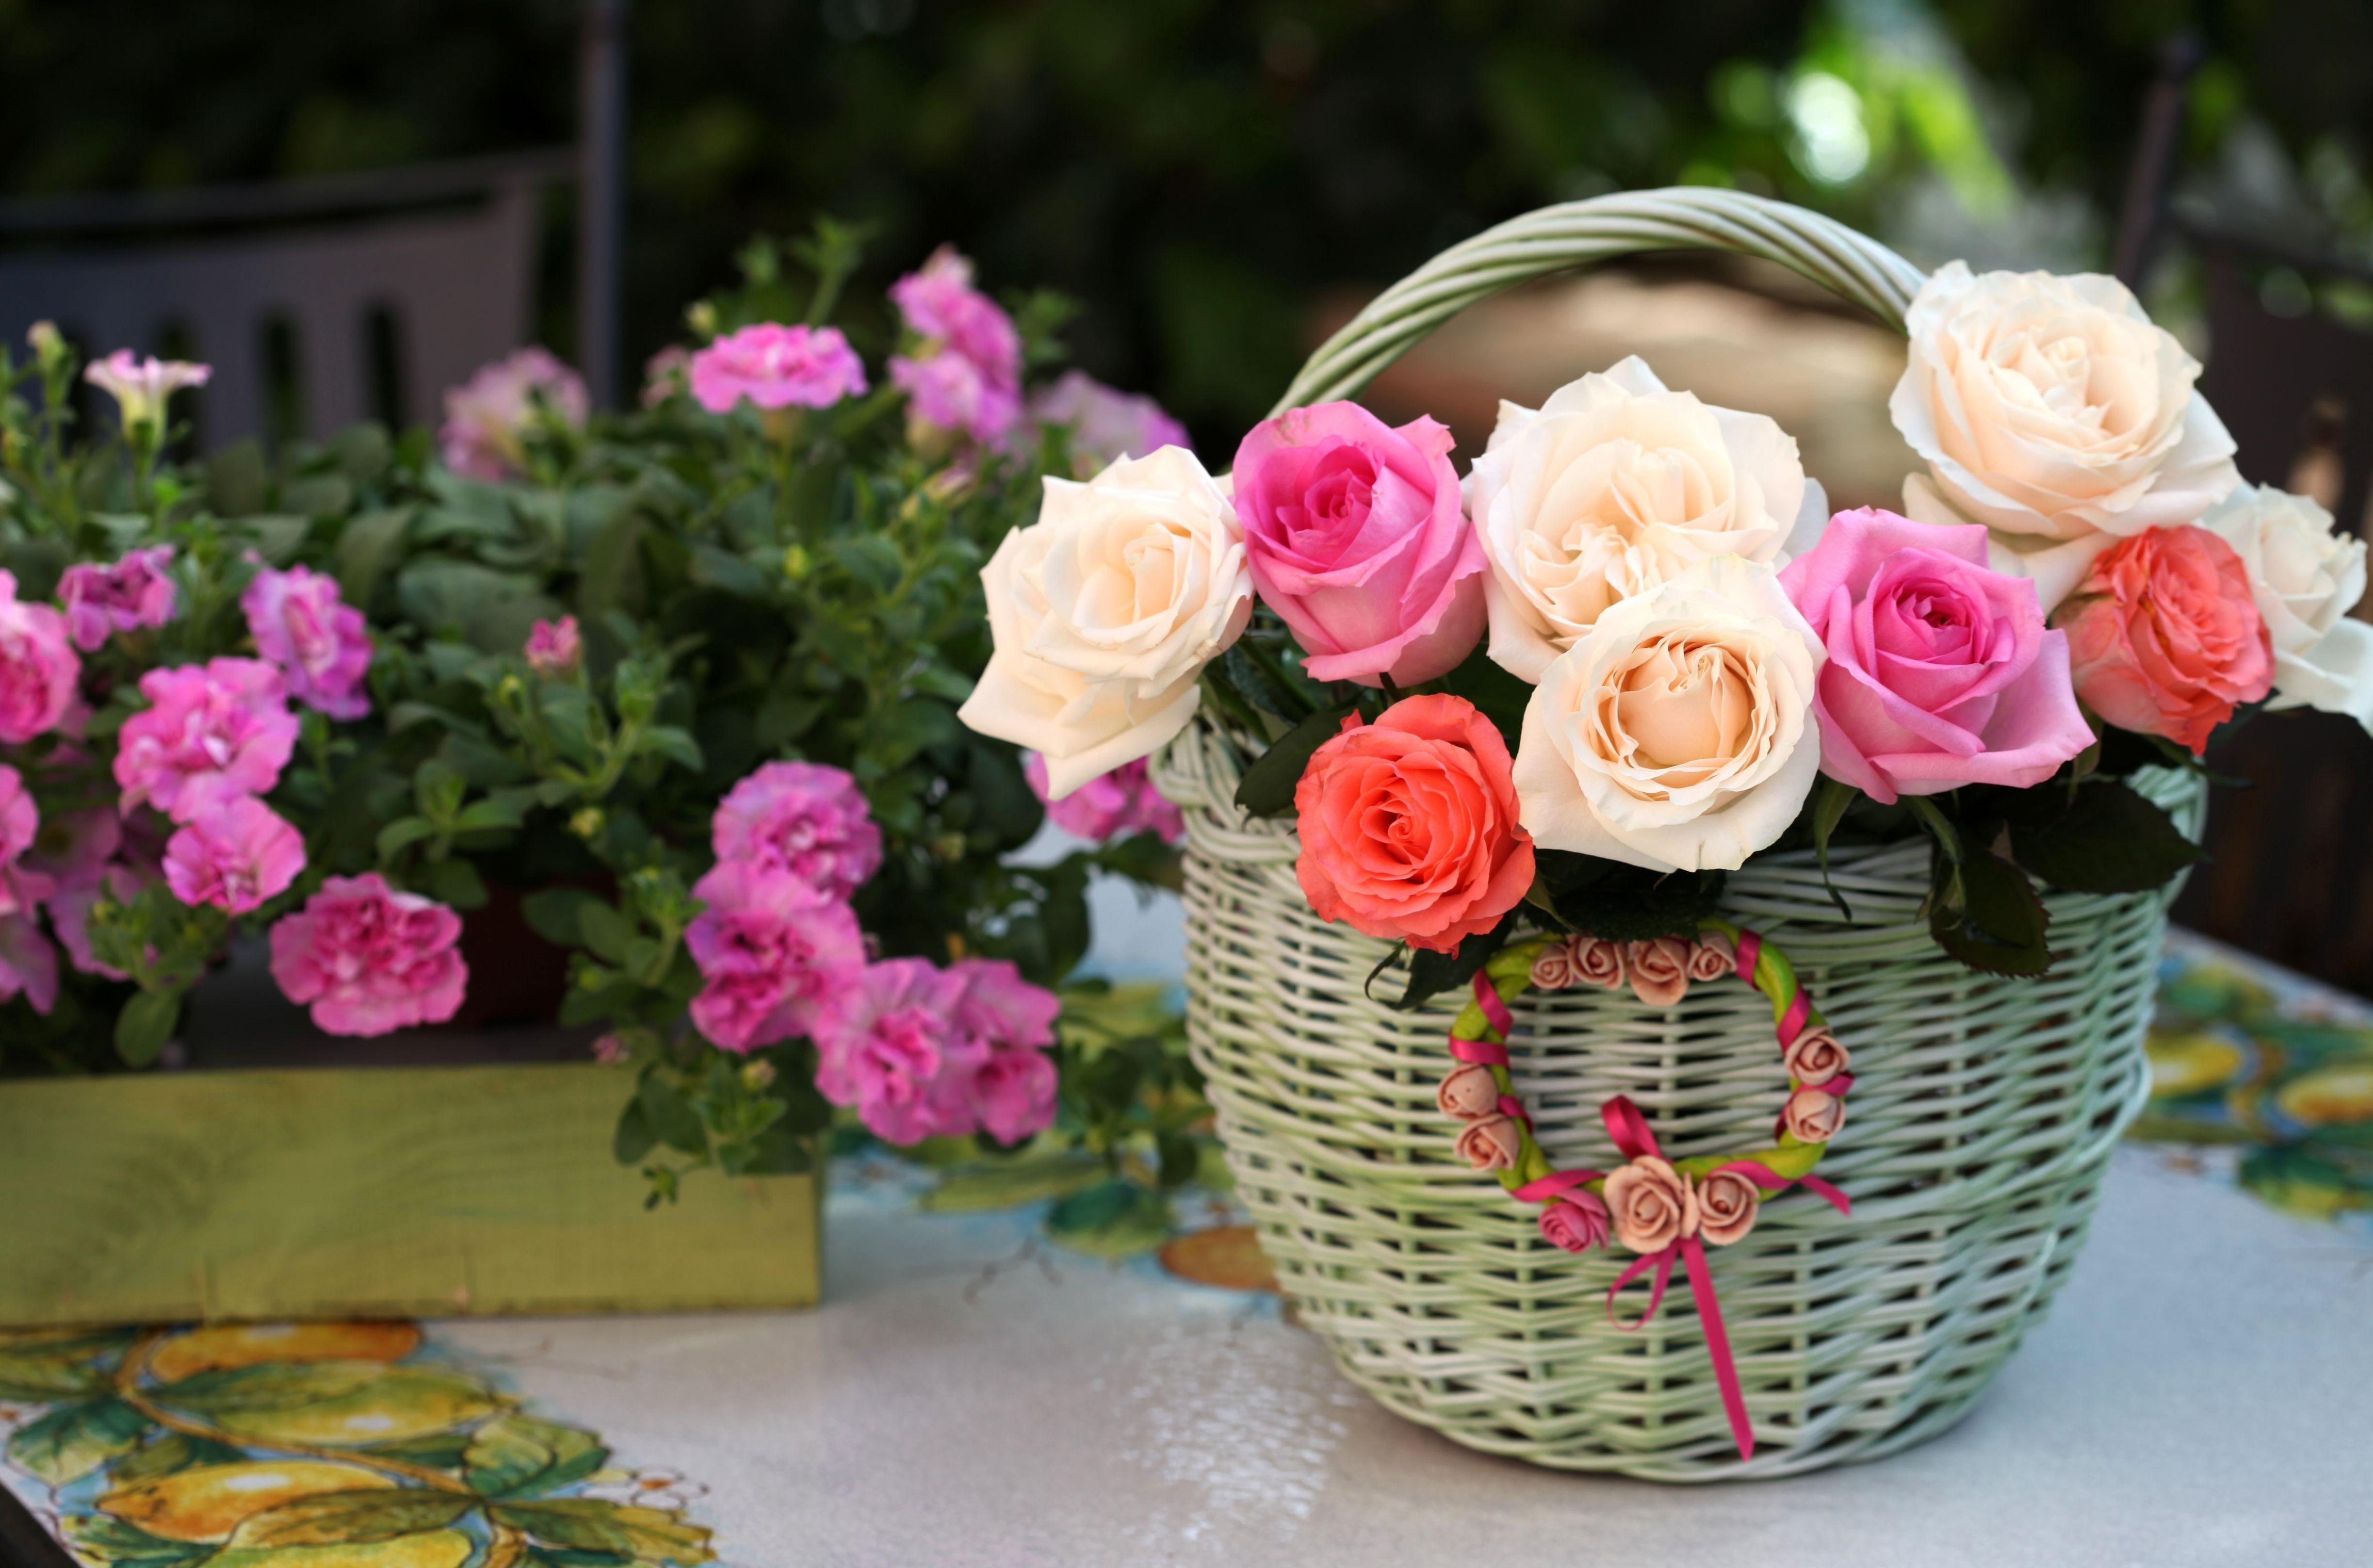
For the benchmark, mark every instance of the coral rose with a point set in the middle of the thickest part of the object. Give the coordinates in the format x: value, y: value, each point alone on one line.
x: 1359, y: 539
x: 2164, y: 637
x: 1409, y: 825
x: 1654, y: 1205
x: 1940, y: 671
x: 1490, y: 1143
x: 1815, y: 1057
x: 1470, y: 1091
x: 1658, y: 969
x: 1577, y: 1222
x: 1813, y: 1116
x: 1727, y: 1202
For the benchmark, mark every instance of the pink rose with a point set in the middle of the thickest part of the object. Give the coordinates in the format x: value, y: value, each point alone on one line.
x: 211, y: 732
x: 486, y: 417
x: 1597, y: 963
x: 802, y: 817
x: 1492, y: 1142
x: 1658, y: 969
x: 368, y: 959
x: 1409, y: 825
x: 1711, y: 956
x: 1728, y: 1204
x: 1577, y: 1222
x: 1654, y: 1205
x: 1111, y: 805
x: 1815, y: 1057
x: 964, y: 373
x: 136, y: 591
x: 1357, y: 538
x: 1105, y: 422
x: 1940, y: 671
x: 2164, y: 637
x: 1012, y: 1094
x: 1812, y: 1115
x: 1553, y: 966
x: 38, y: 669
x: 771, y: 947
x: 1470, y: 1092
x: 316, y: 638
x: 237, y: 857
x: 776, y: 367
x: 553, y: 649
x: 886, y: 1039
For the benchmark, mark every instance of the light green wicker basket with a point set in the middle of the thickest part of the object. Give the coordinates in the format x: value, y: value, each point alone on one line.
x: 1985, y: 1110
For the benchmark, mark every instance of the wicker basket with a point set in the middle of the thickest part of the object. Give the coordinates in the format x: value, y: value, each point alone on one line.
x: 1983, y: 1112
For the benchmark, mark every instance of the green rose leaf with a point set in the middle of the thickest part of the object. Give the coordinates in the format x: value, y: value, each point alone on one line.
x: 2102, y: 837
x: 333, y: 1519
x: 1983, y: 911
x: 515, y: 1455
x: 69, y: 1444
x: 1268, y: 786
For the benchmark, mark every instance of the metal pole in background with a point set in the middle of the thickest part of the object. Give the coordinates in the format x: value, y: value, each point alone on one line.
x: 602, y: 198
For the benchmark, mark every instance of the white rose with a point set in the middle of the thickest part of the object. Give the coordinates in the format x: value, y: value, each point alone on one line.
x: 1105, y: 610
x: 2306, y: 579
x: 1615, y: 486
x: 2052, y: 410
x: 1677, y: 734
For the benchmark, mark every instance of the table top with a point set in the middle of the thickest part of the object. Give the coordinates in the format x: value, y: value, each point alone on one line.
x: 972, y: 1394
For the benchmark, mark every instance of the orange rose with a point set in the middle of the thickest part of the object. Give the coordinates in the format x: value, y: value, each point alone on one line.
x: 2164, y: 637
x: 1409, y: 825
x: 1659, y: 969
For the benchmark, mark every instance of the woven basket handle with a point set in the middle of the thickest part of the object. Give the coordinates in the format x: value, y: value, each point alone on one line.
x: 1552, y: 240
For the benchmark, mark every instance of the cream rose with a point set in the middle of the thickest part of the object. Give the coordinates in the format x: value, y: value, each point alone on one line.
x: 2054, y: 411
x: 1615, y: 486
x: 1105, y: 610
x: 2306, y: 579
x: 1678, y: 734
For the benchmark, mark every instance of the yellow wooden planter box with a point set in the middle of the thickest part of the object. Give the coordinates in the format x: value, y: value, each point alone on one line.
x: 343, y: 1192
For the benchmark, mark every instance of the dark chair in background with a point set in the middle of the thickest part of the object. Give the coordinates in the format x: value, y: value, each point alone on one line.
x: 2289, y: 863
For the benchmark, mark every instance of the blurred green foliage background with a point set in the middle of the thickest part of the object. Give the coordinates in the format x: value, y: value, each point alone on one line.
x: 1195, y: 171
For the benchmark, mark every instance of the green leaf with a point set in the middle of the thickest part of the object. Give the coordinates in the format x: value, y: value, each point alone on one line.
x: 553, y: 913
x: 713, y: 567
x: 648, y: 1535
x: 1829, y: 803
x: 1433, y: 973
x: 69, y: 1444
x: 334, y: 1518
x: 1625, y: 902
x: 634, y: 1137
x: 504, y: 808
x: 897, y: 736
x: 269, y: 1385
x: 1268, y: 786
x: 317, y: 495
x: 455, y: 882
x: 238, y: 481
x: 1004, y: 1184
x: 1501, y: 696
x: 604, y: 928
x: 174, y: 1451
x: 145, y: 1024
x: 1112, y: 1219
x: 869, y: 559
x: 368, y: 548
x: 1989, y: 915
x: 516, y: 1454
x: 404, y: 830
x: 671, y: 1116
x: 104, y: 1538
x: 276, y: 538
x: 44, y: 1379
x: 676, y: 746
x: 2102, y: 837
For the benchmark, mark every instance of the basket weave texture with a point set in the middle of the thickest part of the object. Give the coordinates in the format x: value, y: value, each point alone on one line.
x: 1983, y: 1112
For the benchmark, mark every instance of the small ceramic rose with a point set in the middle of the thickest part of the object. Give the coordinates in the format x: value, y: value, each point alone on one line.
x: 1658, y: 969
x: 1492, y: 1142
x: 1598, y: 963
x: 1815, y: 1057
x: 1711, y: 956
x: 1813, y: 1116
x: 1471, y: 1093
x: 1727, y: 1202
x: 1577, y: 1222
x: 1554, y: 968
x: 1654, y: 1205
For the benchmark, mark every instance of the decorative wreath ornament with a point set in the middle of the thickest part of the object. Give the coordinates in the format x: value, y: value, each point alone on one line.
x: 1666, y: 1210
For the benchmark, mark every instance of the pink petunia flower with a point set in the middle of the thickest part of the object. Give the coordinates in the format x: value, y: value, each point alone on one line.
x: 554, y: 647
x: 237, y: 857
x: 318, y: 640
x: 884, y: 1041
x: 367, y: 959
x: 28, y: 965
x: 1010, y: 1095
x: 142, y: 385
x: 487, y: 416
x: 965, y: 372
x: 1111, y: 805
x: 136, y: 591
x: 84, y: 855
x: 39, y: 670
x: 776, y: 367
x: 772, y: 948
x: 802, y: 817
x: 211, y: 732
x: 1105, y: 422
x: 22, y: 886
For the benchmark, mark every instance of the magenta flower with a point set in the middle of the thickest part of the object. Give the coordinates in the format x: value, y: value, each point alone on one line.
x: 772, y: 950
x: 211, y: 732
x: 317, y: 640
x: 85, y: 854
x: 28, y: 965
x: 367, y: 959
x: 964, y: 373
x: 776, y: 367
x: 141, y: 386
x: 1011, y: 1095
x: 136, y: 591
x: 884, y: 1041
x: 1105, y: 422
x: 554, y: 647
x: 1111, y: 805
x: 802, y: 817
x: 487, y: 416
x: 237, y: 857
x: 38, y: 669
x: 948, y: 392
x: 666, y: 374
x: 70, y: 908
x: 22, y: 886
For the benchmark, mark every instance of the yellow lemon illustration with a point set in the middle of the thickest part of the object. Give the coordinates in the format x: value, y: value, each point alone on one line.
x: 2185, y: 1064
x: 208, y: 1501
x: 431, y: 1549
x: 250, y: 1344
x: 403, y: 1403
x: 2334, y: 1093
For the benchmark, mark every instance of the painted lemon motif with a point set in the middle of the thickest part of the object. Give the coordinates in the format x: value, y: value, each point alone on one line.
x: 250, y: 1344
x: 2333, y: 1093
x: 2186, y: 1064
x: 207, y: 1503
x: 399, y: 1404
x: 431, y: 1549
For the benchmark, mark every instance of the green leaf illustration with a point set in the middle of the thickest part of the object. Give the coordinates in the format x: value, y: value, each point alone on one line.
x: 45, y: 1379
x: 516, y: 1455
x: 269, y: 1385
x: 69, y: 1444
x: 104, y: 1538
x: 1004, y: 1183
x: 341, y: 1403
x: 174, y: 1451
x: 332, y: 1518
x: 1112, y: 1219
x: 646, y: 1535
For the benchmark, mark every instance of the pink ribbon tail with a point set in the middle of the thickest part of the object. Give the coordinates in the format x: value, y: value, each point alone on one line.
x: 1835, y: 1197
x: 1662, y: 1263
x: 1726, y: 1370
